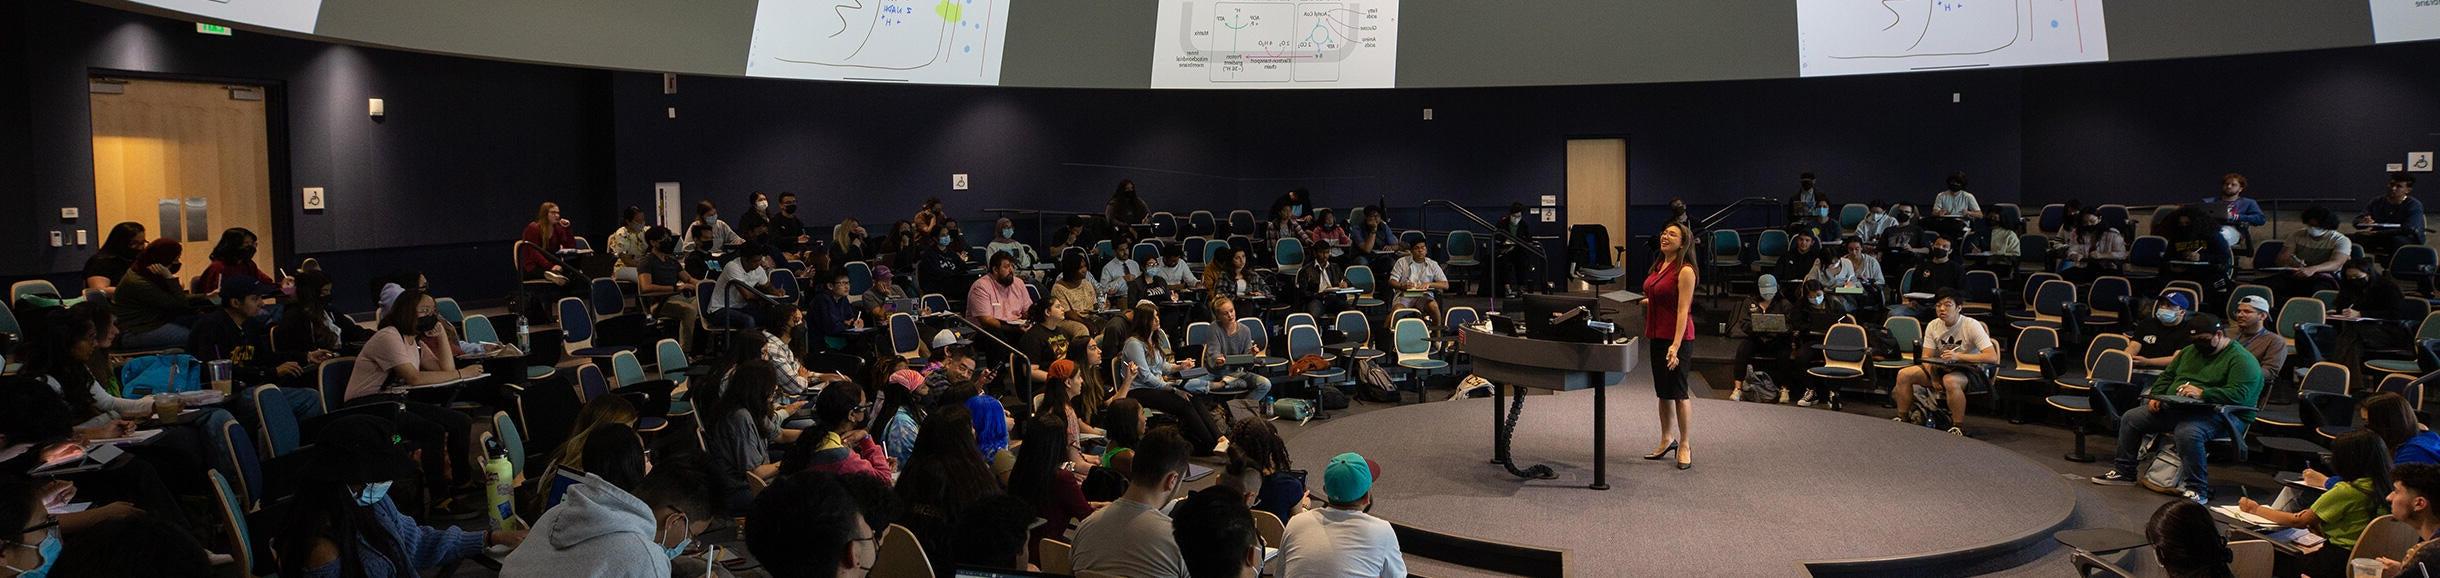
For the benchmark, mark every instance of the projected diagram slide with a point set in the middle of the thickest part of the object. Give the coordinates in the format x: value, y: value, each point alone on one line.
x: 925, y: 41
x: 2405, y: 20
x: 290, y: 15
x: 1872, y: 36
x: 1276, y: 44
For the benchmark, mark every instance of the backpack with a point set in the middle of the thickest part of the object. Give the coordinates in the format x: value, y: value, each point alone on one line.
x: 1760, y: 388
x: 2158, y: 470
x: 164, y: 373
x: 1331, y: 397
x: 1374, y: 382
x: 1292, y: 409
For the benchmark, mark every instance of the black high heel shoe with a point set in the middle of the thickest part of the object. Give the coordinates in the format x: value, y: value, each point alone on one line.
x: 1685, y: 461
x: 1673, y: 446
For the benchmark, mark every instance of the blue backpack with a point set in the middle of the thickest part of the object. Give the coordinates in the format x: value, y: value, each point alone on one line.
x: 164, y: 373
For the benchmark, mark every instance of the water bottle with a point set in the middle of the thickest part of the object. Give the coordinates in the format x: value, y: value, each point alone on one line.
x: 522, y: 343
x: 500, y: 493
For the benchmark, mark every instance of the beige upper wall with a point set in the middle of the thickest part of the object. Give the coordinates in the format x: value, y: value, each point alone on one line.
x: 1443, y: 43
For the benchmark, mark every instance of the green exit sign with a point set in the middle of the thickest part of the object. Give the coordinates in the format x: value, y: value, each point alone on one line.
x: 212, y: 29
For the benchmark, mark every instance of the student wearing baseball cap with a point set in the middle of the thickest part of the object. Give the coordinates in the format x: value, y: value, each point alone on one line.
x: 2210, y: 368
x: 1341, y: 539
x: 342, y: 522
x: 2249, y: 325
x: 2161, y: 330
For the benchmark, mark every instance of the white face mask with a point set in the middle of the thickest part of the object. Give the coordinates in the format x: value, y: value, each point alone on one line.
x: 2317, y: 231
x: 762, y: 205
x: 1769, y: 292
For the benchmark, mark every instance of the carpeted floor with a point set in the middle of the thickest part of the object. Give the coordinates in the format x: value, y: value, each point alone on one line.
x: 1773, y: 486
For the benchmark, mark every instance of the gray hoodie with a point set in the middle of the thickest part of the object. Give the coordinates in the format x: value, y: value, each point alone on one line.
x: 598, y: 530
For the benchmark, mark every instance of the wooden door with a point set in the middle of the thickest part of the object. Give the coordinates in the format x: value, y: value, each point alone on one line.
x: 1597, y: 185
x: 186, y: 158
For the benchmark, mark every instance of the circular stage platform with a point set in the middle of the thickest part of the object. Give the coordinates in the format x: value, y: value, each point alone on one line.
x: 1776, y: 490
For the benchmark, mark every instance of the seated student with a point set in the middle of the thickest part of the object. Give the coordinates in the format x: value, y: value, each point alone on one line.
x: 944, y: 262
x: 743, y: 427
x: 1047, y: 480
x: 143, y: 544
x: 546, y: 237
x: 2381, y: 314
x: 1341, y: 539
x: 1772, y: 351
x: 1060, y: 387
x: 111, y: 260
x: 1233, y: 339
x: 605, y: 529
x: 2188, y: 542
x: 2093, y: 249
x: 807, y: 525
x: 1131, y: 537
x: 399, y: 355
x: 942, y: 477
x: 1327, y: 239
x: 237, y: 333
x: 2414, y: 498
x: 997, y: 301
x: 341, y: 521
x: 745, y: 285
x: 782, y: 323
x: 2341, y: 513
x: 2158, y: 336
x: 700, y: 254
x: 1120, y: 279
x: 994, y: 535
x: 1951, y: 337
x: 2314, y: 255
x: 2208, y: 369
x: 1279, y: 487
x: 153, y: 309
x: 35, y: 429
x: 1123, y: 425
x: 902, y: 413
x: 1229, y: 276
x: 1796, y: 264
x: 991, y: 420
x: 1076, y: 290
x: 232, y: 255
x: 1216, y: 535
x: 2386, y: 414
x: 833, y: 311
x: 1146, y: 370
x: 2253, y: 332
x: 1940, y: 269
x: 1854, y: 270
x: 842, y: 447
x: 1954, y: 207
x: 1006, y: 242
x: 1310, y: 291
x: 1875, y: 222
x: 597, y: 415
x: 1810, y: 316
x: 707, y: 233
x: 2197, y: 252
x: 1421, y: 278
x: 660, y: 271
x: 1173, y: 271
x: 2400, y: 210
x: 308, y: 324
x: 627, y: 244
x: 876, y: 298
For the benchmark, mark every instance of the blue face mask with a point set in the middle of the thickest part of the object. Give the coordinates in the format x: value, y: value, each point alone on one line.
x: 2169, y: 316
x: 49, y: 549
x: 1008, y: 232
x: 373, y: 493
x: 673, y: 551
x: 1823, y: 212
x: 1817, y: 300
x: 1297, y: 211
x: 944, y: 240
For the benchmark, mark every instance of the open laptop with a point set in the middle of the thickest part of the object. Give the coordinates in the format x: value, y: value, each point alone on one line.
x: 1769, y: 323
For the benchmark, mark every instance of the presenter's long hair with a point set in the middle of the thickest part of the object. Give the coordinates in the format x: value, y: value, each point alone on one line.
x: 1685, y: 250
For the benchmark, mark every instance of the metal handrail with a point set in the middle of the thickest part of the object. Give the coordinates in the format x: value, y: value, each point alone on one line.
x: 1023, y: 376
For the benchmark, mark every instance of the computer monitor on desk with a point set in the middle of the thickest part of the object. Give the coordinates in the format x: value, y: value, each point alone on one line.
x: 1541, y: 309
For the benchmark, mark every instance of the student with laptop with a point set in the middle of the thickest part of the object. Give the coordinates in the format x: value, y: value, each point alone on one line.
x: 1761, y: 323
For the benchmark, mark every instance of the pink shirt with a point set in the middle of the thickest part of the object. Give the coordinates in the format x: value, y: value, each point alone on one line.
x: 988, y: 298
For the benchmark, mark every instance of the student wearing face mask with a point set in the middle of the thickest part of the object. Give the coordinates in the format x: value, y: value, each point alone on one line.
x: 1953, y: 207
x: 2156, y: 337
x: 1297, y: 202
x: 342, y: 523
x: 2371, y: 314
x: 2313, y: 256
x: 2210, y: 368
x: 663, y: 272
x: 755, y: 224
x: 1877, y: 220
x: 1939, y: 270
x: 716, y: 236
x: 1897, y: 243
x: 395, y: 358
x: 1004, y: 240
x: 152, y: 308
x: 233, y: 255
x: 945, y: 261
x: 627, y: 243
x: 1808, y: 202
x: 1772, y: 351
x: 787, y: 230
x: 600, y: 529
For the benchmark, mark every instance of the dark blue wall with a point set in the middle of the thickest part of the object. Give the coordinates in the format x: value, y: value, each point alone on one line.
x: 468, y: 148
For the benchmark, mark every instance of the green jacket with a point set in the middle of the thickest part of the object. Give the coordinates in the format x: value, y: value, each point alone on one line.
x: 142, y: 306
x: 2231, y: 377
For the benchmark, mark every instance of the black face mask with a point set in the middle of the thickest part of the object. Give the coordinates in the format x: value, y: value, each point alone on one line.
x: 245, y: 253
x: 2204, y: 344
x: 426, y: 323
x: 174, y: 267
x: 789, y: 208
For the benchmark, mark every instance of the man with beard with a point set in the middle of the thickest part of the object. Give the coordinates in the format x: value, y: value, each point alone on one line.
x: 2209, y: 369
x: 998, y: 301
